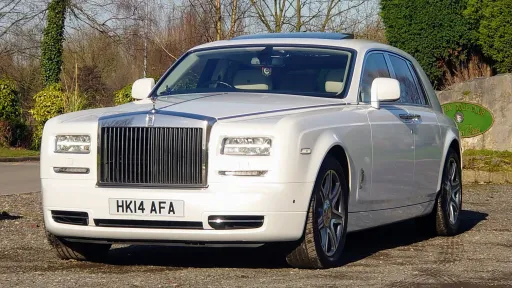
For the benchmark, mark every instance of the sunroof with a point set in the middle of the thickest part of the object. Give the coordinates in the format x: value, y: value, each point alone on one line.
x: 301, y: 35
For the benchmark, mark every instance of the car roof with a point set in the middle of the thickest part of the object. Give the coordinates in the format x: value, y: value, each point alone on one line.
x: 361, y: 46
x: 316, y: 35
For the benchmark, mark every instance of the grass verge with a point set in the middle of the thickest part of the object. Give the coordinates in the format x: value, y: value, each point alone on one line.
x: 487, y: 160
x: 12, y: 152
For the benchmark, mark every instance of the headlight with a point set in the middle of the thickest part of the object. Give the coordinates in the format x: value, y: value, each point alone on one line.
x: 73, y: 144
x: 247, y: 146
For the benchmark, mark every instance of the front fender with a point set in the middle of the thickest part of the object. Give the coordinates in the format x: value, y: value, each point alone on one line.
x: 308, y: 165
x: 320, y: 145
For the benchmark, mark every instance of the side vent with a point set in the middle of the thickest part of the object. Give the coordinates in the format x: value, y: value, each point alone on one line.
x: 235, y: 222
x: 71, y: 217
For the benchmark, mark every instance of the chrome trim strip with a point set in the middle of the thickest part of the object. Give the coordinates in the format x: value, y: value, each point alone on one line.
x: 61, y: 152
x: 152, y: 186
x: 210, y: 120
x: 219, y: 221
x: 59, y: 170
x: 282, y: 110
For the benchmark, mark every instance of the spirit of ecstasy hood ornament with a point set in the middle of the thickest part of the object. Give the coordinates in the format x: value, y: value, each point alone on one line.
x: 153, y: 99
x: 150, y: 118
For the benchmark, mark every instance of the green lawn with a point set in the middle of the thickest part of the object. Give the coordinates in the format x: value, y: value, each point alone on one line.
x: 11, y: 152
x: 487, y: 160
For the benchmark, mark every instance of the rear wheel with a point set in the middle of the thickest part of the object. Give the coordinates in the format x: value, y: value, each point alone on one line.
x: 67, y: 250
x: 444, y: 219
x: 326, y: 223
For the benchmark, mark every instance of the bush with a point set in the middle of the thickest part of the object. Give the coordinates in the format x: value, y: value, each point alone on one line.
x: 124, y: 95
x: 21, y: 136
x: 5, y: 133
x: 10, y: 111
x: 433, y: 31
x: 492, y: 20
x: 15, y: 134
x: 73, y: 102
x: 47, y: 104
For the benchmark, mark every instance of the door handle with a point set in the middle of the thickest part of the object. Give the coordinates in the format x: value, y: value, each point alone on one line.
x: 410, y: 117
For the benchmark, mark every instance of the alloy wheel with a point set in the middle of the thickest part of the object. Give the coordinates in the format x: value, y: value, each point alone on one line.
x: 453, y: 188
x: 330, y: 213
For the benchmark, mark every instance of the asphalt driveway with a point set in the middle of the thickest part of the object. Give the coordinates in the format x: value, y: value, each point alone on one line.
x: 397, y: 255
x: 19, y: 177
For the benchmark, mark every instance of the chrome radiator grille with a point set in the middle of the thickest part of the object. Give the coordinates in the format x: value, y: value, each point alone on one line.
x: 151, y: 156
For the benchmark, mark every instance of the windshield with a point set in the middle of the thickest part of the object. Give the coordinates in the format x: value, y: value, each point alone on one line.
x: 309, y: 71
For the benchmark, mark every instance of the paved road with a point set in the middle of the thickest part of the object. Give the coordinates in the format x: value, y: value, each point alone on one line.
x: 22, y: 177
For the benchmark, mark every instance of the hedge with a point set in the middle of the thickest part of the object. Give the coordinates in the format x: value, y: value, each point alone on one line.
x: 48, y: 103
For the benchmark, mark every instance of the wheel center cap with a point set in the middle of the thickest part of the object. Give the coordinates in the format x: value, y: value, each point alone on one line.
x: 327, y: 213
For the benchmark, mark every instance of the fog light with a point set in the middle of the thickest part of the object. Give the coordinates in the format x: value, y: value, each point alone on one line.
x: 243, y: 173
x: 71, y: 170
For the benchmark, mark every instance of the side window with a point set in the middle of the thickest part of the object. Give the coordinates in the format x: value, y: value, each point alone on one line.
x: 421, y: 86
x: 375, y: 66
x: 409, y: 92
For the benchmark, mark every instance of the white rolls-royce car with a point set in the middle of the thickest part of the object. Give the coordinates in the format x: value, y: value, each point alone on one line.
x: 266, y: 139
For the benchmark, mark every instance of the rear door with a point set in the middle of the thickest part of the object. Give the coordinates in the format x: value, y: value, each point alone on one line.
x: 392, y: 141
x: 425, y: 128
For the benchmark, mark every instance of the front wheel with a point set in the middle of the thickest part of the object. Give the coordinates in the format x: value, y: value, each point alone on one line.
x: 326, y: 225
x: 67, y: 250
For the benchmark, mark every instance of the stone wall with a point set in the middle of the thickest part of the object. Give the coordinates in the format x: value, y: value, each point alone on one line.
x: 494, y: 93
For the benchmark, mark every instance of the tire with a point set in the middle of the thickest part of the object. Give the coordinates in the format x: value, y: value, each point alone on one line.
x: 315, y: 250
x: 66, y: 250
x: 444, y: 219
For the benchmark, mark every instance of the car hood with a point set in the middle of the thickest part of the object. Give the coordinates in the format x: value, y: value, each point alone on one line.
x: 216, y: 105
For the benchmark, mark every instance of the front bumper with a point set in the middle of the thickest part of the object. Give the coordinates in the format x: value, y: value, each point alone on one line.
x: 283, y: 206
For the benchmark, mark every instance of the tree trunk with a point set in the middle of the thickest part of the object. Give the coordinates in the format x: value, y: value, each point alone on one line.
x: 53, y: 38
x: 218, y: 20
x: 232, y: 27
x: 299, y: 17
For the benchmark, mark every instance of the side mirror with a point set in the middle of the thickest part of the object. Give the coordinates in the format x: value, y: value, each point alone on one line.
x: 142, y: 87
x: 385, y: 90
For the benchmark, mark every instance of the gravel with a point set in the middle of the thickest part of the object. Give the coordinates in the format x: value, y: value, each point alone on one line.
x: 396, y: 255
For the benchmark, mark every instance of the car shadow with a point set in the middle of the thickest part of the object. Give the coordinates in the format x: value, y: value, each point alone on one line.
x: 6, y: 216
x: 359, y: 245
x: 196, y: 257
x: 365, y: 243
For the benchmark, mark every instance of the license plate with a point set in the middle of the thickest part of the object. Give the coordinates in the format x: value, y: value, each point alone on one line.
x: 144, y: 207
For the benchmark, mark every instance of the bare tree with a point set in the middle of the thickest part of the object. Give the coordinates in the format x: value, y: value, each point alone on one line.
x: 16, y: 13
x: 306, y: 15
x: 218, y: 20
x: 273, y: 15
